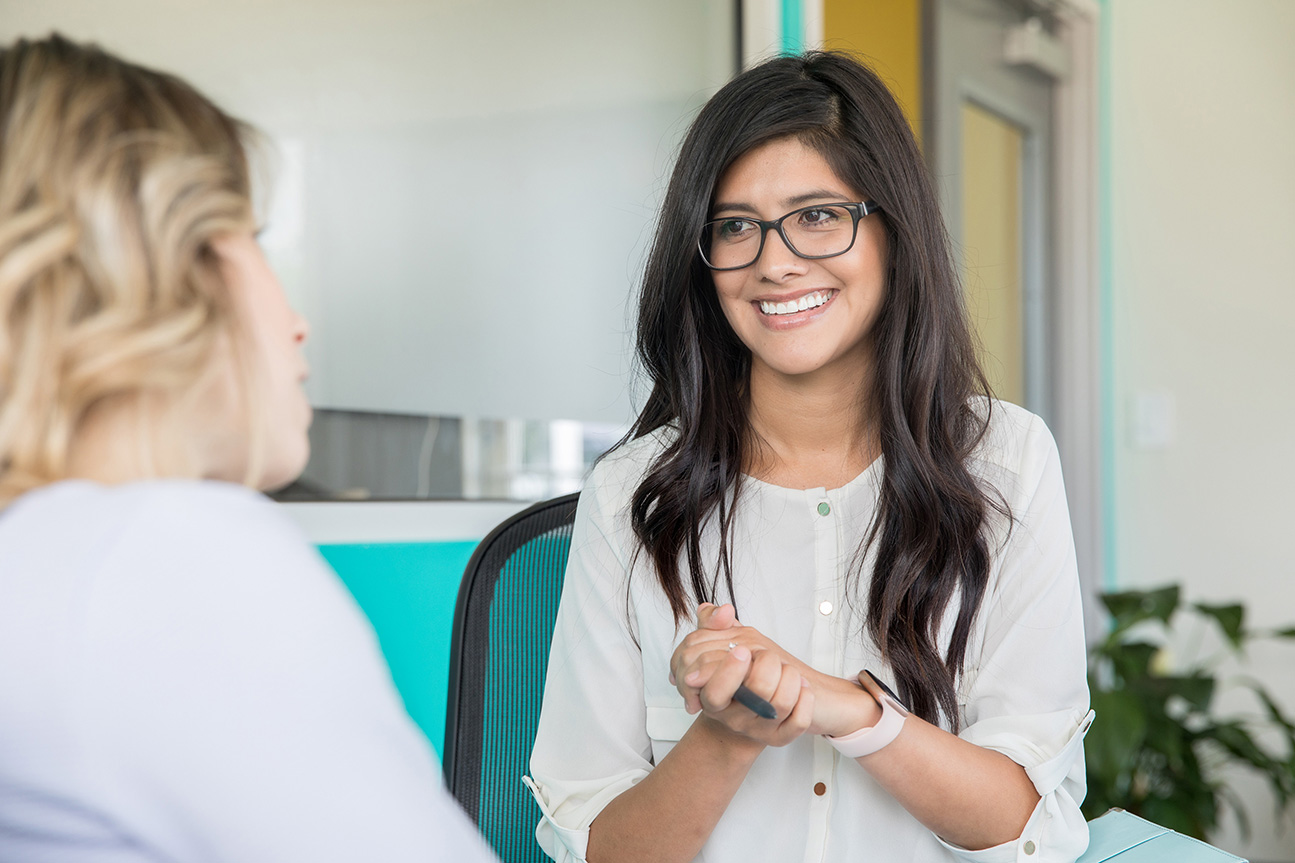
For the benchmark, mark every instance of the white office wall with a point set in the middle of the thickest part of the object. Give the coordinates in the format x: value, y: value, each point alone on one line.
x: 464, y: 188
x: 1202, y: 200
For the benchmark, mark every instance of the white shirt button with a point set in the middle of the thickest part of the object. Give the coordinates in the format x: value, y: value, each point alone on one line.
x: 824, y: 508
x: 1028, y: 847
x: 825, y: 607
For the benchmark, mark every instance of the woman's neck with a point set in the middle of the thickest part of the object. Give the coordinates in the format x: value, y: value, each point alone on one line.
x: 120, y: 443
x: 810, y: 431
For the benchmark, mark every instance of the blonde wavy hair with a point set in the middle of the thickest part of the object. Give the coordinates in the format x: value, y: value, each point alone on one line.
x: 114, y: 179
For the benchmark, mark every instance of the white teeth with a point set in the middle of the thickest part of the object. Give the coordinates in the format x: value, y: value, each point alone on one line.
x: 809, y: 301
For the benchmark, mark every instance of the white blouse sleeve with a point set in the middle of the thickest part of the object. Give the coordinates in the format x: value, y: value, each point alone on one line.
x: 1026, y: 692
x: 592, y: 743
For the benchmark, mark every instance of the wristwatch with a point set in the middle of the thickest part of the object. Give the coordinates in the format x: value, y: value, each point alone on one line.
x: 868, y: 740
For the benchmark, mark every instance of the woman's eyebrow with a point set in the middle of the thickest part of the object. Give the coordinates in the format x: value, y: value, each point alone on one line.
x: 790, y: 203
x: 816, y: 195
x: 736, y: 206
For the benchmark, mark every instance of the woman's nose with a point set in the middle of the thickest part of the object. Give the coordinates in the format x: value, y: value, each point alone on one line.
x: 777, y: 260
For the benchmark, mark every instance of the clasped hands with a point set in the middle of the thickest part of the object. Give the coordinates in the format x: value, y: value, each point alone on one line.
x: 720, y: 655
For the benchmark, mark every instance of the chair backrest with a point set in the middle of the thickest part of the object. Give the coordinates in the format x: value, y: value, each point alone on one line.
x: 499, y: 654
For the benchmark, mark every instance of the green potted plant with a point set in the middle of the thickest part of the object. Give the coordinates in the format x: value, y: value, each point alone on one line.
x: 1159, y: 746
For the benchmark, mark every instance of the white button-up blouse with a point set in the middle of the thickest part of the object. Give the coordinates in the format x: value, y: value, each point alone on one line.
x: 610, y: 712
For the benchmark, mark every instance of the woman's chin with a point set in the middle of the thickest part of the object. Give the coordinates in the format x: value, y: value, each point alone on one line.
x: 284, y: 466
x: 792, y: 367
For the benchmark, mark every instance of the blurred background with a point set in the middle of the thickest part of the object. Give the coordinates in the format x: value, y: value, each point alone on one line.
x: 459, y: 193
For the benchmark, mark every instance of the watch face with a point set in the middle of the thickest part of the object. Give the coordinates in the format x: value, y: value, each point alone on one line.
x: 887, y: 690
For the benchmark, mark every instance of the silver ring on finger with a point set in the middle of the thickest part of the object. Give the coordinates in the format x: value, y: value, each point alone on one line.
x: 732, y: 644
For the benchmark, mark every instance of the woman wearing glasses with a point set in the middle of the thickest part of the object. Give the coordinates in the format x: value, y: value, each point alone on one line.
x: 181, y: 677
x: 821, y: 509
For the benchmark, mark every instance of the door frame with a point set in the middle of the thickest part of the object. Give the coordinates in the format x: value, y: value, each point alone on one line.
x: 1077, y: 364
x: 1036, y: 240
x: 1084, y: 415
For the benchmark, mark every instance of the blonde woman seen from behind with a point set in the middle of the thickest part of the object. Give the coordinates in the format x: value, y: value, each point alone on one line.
x: 181, y: 677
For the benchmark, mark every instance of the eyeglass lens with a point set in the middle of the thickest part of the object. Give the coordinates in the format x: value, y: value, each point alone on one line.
x: 812, y: 232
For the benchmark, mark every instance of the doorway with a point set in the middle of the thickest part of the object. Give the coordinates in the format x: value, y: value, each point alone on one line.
x: 990, y: 139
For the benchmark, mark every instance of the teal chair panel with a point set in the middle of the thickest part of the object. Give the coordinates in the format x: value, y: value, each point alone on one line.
x: 521, y: 627
x: 504, y: 623
x: 408, y: 591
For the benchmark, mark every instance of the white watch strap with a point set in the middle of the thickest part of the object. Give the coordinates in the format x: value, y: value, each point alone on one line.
x: 868, y: 740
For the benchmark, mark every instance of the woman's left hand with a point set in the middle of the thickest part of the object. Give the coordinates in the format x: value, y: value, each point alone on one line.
x: 840, y: 706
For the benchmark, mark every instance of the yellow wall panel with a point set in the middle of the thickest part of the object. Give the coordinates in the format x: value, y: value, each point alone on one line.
x: 992, y: 152
x: 888, y: 35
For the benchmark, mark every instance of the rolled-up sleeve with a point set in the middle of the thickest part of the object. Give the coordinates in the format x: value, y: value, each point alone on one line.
x: 592, y: 743
x: 1026, y: 695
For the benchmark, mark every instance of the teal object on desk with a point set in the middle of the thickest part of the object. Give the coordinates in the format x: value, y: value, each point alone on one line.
x: 1125, y: 838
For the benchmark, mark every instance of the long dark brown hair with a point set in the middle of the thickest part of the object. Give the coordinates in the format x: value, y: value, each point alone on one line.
x: 929, y: 532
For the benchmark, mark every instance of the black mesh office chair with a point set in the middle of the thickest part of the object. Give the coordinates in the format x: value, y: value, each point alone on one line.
x: 499, y: 653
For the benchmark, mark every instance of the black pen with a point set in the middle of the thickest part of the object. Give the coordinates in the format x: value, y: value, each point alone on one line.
x: 754, y: 703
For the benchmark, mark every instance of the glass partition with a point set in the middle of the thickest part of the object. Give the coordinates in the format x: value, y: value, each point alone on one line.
x: 459, y: 197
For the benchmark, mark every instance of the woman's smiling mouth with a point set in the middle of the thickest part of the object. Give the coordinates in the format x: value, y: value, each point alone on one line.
x: 812, y: 300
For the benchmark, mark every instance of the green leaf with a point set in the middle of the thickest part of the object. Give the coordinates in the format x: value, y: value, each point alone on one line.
x: 1287, y: 776
x: 1135, y: 606
x: 1233, y: 737
x: 1181, y: 815
x: 1275, y: 712
x: 1132, y: 661
x: 1197, y: 690
x: 1173, y: 742
x: 1100, y: 798
x: 1229, y: 619
x: 1287, y: 632
x: 1115, y: 739
x: 1237, y: 805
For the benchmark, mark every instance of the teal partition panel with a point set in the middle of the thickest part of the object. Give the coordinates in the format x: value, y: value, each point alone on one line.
x: 408, y: 591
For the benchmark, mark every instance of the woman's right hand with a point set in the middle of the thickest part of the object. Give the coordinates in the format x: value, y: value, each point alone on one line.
x: 764, y: 672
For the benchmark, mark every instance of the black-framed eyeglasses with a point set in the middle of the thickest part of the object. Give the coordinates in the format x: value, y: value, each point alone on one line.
x: 816, y: 231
